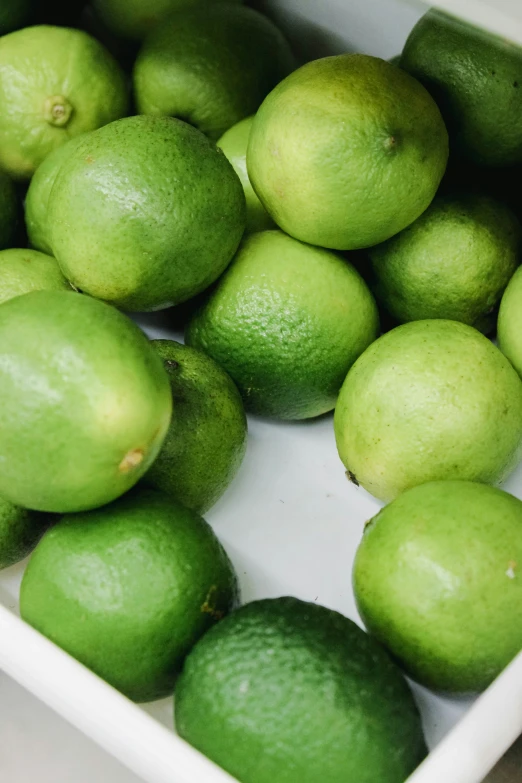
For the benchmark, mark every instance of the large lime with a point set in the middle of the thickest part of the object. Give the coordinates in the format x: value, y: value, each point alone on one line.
x: 84, y: 402
x: 437, y: 580
x: 210, y: 64
x: 347, y: 151
x: 429, y: 400
x: 128, y: 589
x: 454, y: 262
x: 476, y: 79
x: 55, y: 83
x: 284, y: 690
x: 145, y: 213
x: 286, y: 321
x: 509, y: 327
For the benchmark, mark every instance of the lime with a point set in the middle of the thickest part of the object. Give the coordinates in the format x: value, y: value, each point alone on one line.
x: 135, y: 18
x: 20, y: 531
x: 8, y: 211
x: 476, y: 79
x: 509, y: 327
x: 128, y: 589
x: 55, y: 83
x: 145, y: 213
x: 22, y: 271
x: 286, y: 321
x: 347, y: 151
x: 429, y: 400
x: 37, y: 198
x: 210, y: 64
x: 84, y: 402
x: 234, y: 143
x: 290, y: 691
x: 206, y: 441
x: 454, y: 262
x: 436, y: 580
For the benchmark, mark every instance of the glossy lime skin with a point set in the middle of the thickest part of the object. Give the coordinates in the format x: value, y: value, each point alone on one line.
x: 145, y: 213
x: 290, y: 691
x: 347, y: 151
x: 211, y: 65
x: 8, y: 211
x: 436, y: 579
x: 476, y: 79
x: 207, y: 437
x: 453, y: 262
x: 84, y: 402
x: 38, y: 193
x: 128, y: 589
x: 20, y: 531
x: 234, y: 143
x: 44, y: 67
x: 429, y: 400
x: 286, y: 321
x: 23, y: 270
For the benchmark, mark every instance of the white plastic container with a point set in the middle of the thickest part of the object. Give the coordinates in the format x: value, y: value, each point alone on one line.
x: 291, y: 521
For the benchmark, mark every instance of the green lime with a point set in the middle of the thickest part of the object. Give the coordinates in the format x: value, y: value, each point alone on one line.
x: 134, y: 19
x: 22, y: 271
x: 347, y: 151
x: 454, y: 262
x: 128, y: 589
x: 234, y: 143
x: 476, y: 79
x: 509, y: 327
x: 290, y: 691
x: 37, y: 198
x: 145, y: 213
x: 436, y: 579
x: 429, y: 400
x: 210, y: 64
x: 286, y: 321
x: 55, y: 83
x: 206, y: 441
x: 14, y: 14
x: 20, y: 531
x: 84, y: 402
x: 8, y: 211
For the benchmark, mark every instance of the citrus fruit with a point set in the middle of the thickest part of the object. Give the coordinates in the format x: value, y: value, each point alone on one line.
x: 145, y: 213
x: 234, y: 143
x: 84, y: 402
x: 347, y: 151
x: 38, y: 193
x: 286, y: 321
x: 454, y: 262
x: 8, y: 211
x: 206, y: 441
x: 436, y: 580
x: 20, y: 531
x: 429, y: 400
x: 509, y: 327
x: 291, y: 691
x: 14, y: 14
x: 133, y: 19
x: 55, y: 83
x: 210, y: 64
x: 22, y: 271
x: 128, y: 589
x: 476, y: 79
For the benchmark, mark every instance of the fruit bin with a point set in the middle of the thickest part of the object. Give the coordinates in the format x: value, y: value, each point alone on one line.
x: 291, y: 521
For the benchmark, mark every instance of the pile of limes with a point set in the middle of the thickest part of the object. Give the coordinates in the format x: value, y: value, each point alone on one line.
x: 339, y: 235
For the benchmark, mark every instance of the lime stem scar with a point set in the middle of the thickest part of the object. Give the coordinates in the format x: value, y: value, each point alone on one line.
x: 131, y: 460
x: 57, y: 110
